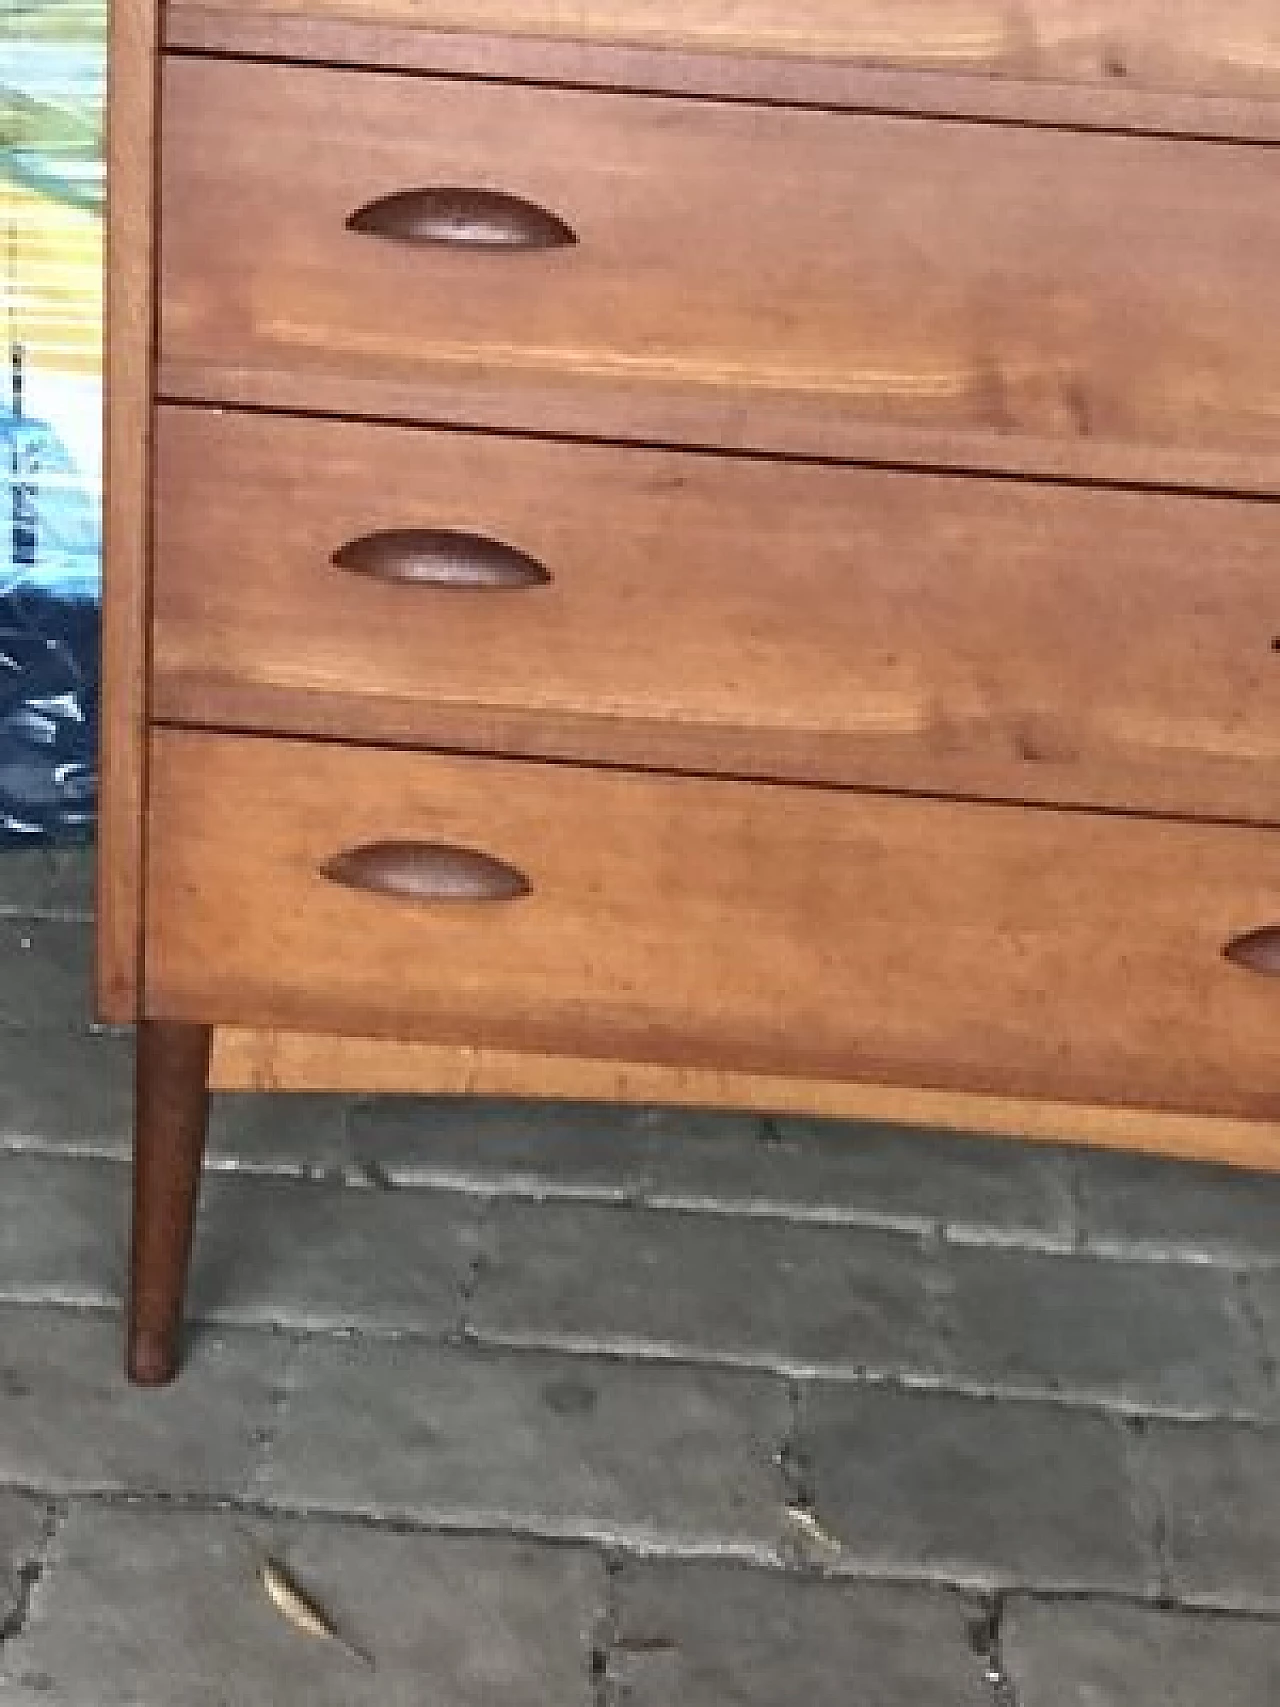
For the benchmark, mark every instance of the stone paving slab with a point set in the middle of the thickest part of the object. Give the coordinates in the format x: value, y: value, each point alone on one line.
x: 320, y: 1256
x: 554, y: 1148
x: 69, y: 1421
x: 45, y: 974
x: 66, y: 1091
x: 22, y: 1523
x: 72, y: 1092
x: 962, y: 1181
x: 285, y: 1131
x: 1092, y: 1654
x: 698, y: 1157
x: 1260, y: 1292
x: 842, y: 1298
x: 756, y: 1246
x: 267, y: 1250
x: 1219, y: 1487
x: 972, y: 1490
x: 47, y: 882
x: 165, y: 1609
x: 64, y: 1231
x: 1149, y: 1334
x: 657, y: 1455
x: 711, y: 1635
x: 1217, y: 1214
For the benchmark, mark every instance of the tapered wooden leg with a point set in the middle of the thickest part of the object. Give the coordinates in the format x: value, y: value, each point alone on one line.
x: 170, y: 1119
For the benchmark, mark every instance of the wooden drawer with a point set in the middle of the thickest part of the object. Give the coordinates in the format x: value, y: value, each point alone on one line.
x: 712, y: 613
x: 747, y: 276
x: 782, y: 930
x: 1218, y: 47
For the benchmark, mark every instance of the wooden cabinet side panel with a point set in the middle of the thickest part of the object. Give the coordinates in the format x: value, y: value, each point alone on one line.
x: 128, y: 365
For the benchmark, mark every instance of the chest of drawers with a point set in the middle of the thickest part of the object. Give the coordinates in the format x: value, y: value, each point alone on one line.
x: 720, y: 553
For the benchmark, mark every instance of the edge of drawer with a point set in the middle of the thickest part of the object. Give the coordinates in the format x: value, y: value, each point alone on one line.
x: 675, y: 417
x: 337, y: 40
x: 246, y: 1059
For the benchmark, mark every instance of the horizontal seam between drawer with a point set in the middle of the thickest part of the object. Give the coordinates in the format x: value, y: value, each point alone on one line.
x: 699, y: 774
x: 876, y: 110
x: 935, y: 470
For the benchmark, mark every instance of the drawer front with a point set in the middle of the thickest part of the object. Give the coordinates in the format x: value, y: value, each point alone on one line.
x: 770, y: 929
x: 720, y: 273
x: 955, y: 635
x: 1221, y: 47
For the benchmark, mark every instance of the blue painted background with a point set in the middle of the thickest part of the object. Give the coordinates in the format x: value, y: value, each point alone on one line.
x: 52, y: 66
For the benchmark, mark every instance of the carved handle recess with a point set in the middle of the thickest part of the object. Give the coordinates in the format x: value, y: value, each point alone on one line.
x: 426, y: 871
x: 1257, y: 951
x: 466, y: 218
x: 440, y: 557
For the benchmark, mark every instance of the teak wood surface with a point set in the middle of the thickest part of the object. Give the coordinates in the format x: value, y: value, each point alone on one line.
x: 171, y: 1124
x: 127, y: 384
x: 1116, y: 103
x: 761, y: 928
x: 1193, y: 46
x: 956, y: 321
x: 265, y: 1060
x: 744, y: 277
x: 956, y: 635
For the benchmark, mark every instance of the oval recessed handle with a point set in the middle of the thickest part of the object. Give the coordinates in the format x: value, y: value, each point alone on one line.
x: 440, y: 557
x: 466, y: 218
x: 426, y: 871
x: 1257, y: 951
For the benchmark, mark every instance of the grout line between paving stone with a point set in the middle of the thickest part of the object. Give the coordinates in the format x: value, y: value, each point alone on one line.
x: 43, y: 1030
x: 363, y: 1176
x: 1251, y: 1319
x: 1073, y: 1185
x: 1208, y: 1609
x: 805, y: 1544
x: 792, y: 1460
x: 281, y: 1397
x: 12, y: 913
x: 642, y: 1353
x: 1147, y: 1506
x: 32, y: 1572
x: 83, y: 1302
x: 605, y: 1630
x: 607, y: 1539
x: 481, y: 1260
x: 1061, y: 1170
x: 942, y: 1382
x: 964, y: 1235
x: 1154, y: 1253
x: 938, y: 1288
x: 70, y: 1149
x: 617, y: 1545
x: 986, y: 1638
x: 517, y: 1188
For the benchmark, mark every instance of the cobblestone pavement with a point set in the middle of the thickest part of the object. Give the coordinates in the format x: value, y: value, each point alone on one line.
x: 579, y: 1407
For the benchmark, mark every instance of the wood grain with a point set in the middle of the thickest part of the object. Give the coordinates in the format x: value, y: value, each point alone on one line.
x: 1024, y: 299
x: 1201, y: 45
x: 961, y: 636
x: 127, y: 387
x: 244, y: 1059
x: 781, y: 931
x: 1119, y: 103
x: 170, y: 1128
